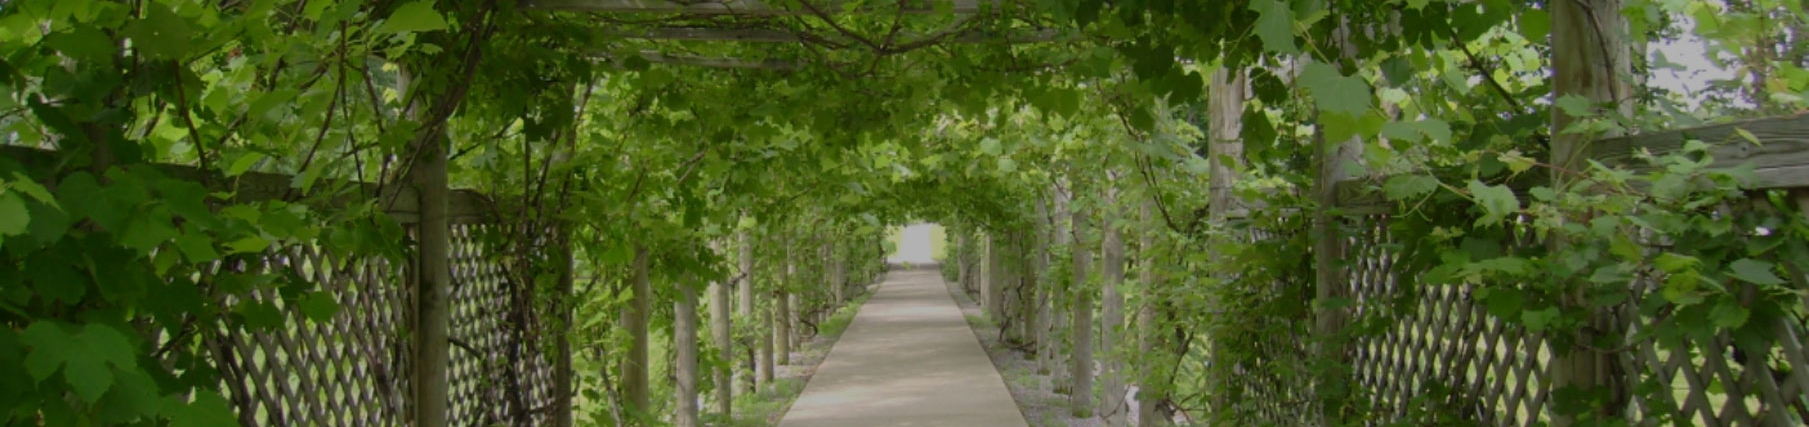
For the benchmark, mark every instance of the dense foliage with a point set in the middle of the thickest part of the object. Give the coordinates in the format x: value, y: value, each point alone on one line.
x: 296, y: 126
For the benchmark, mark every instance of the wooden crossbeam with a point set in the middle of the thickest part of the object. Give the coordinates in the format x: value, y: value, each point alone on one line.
x: 658, y: 57
x: 778, y: 36
x: 737, y: 7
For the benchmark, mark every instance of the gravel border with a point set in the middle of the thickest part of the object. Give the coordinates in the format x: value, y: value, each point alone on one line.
x: 1034, y: 393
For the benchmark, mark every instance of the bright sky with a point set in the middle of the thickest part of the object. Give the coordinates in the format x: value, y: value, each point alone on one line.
x: 1690, y: 52
x: 915, y: 246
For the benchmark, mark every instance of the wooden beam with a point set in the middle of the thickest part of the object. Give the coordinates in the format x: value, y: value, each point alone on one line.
x: 465, y: 206
x: 1780, y: 159
x: 741, y: 7
x: 658, y: 57
x: 757, y: 35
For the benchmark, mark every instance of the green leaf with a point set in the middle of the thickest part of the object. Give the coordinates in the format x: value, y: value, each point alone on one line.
x: 1497, y: 202
x: 1537, y: 320
x: 414, y: 17
x: 14, y: 219
x: 1334, y: 92
x: 319, y: 306
x: 1275, y: 25
x: 1402, y: 187
x: 1754, y: 271
x: 208, y: 410
x: 49, y: 344
x: 1504, y: 303
x: 37, y: 192
x: 1007, y: 166
x: 1729, y: 314
x: 1535, y: 24
x: 197, y: 247
x: 1576, y: 106
x: 1397, y: 71
x: 161, y: 34
x: 87, y: 374
x: 1748, y: 136
x: 249, y: 244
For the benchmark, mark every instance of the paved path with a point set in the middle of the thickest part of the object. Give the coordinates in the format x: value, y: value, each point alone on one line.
x: 908, y: 359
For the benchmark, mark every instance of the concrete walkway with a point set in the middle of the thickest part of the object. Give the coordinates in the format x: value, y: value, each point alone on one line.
x: 908, y: 359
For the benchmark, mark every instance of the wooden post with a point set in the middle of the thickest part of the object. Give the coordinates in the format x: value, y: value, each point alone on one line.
x: 1590, y: 54
x: 722, y: 333
x: 634, y: 367
x: 1045, y: 341
x: 995, y: 277
x: 1080, y: 367
x: 961, y: 248
x: 1224, y: 110
x: 1111, y: 316
x: 563, y: 383
x: 764, y: 366
x: 1064, y: 234
x: 1024, y: 280
x: 433, y: 276
x: 838, y: 280
x: 782, y: 325
x: 1152, y: 390
x: 684, y: 337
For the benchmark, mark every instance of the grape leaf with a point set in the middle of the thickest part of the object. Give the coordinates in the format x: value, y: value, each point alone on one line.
x: 1754, y: 271
x: 1275, y: 25
x: 1729, y: 314
x: 208, y: 410
x: 1497, y: 202
x: 1400, y: 187
x: 1335, y: 92
x: 414, y: 17
x: 319, y: 306
x: 14, y: 219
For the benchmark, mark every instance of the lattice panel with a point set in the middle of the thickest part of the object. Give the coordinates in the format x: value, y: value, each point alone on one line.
x: 1275, y: 388
x: 1710, y: 386
x: 1443, y: 354
x: 348, y: 371
x: 353, y: 369
x: 499, y: 373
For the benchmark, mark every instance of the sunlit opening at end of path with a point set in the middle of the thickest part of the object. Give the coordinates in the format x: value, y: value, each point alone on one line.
x: 915, y: 244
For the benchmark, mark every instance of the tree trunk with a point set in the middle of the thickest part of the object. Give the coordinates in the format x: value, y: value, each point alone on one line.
x: 1080, y: 367
x: 1112, y: 312
x: 684, y: 348
x: 1589, y: 55
x: 722, y: 333
x: 634, y: 367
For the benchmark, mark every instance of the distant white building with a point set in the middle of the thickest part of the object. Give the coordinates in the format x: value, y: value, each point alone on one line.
x: 915, y: 245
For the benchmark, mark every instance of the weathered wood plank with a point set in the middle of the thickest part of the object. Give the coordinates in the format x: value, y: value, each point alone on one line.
x: 1778, y: 159
x: 745, y: 7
